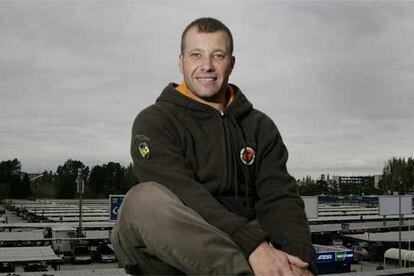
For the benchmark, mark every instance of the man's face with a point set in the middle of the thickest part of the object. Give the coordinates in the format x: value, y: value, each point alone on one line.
x: 206, y: 64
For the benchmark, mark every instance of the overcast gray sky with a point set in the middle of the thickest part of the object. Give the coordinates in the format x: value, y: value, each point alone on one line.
x: 336, y: 76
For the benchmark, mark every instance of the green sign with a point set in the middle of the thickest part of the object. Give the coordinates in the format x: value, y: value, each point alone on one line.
x: 340, y: 256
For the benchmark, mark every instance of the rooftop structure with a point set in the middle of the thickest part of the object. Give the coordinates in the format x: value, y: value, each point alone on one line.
x: 26, y: 254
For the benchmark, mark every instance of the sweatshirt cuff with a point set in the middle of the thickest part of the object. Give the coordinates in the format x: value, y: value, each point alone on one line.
x: 304, y: 250
x: 249, y: 237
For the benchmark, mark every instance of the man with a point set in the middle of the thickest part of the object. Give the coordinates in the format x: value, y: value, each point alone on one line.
x: 214, y: 195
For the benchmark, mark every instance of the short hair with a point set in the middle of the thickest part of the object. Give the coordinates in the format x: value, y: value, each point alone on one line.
x: 207, y: 25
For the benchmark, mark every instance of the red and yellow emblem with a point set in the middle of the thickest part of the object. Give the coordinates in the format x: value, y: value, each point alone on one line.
x: 247, y: 155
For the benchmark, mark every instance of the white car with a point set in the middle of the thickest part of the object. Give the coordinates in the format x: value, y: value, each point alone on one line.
x: 360, y: 253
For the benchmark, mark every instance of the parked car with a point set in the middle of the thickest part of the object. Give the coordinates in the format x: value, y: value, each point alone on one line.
x: 105, y: 254
x: 35, y: 266
x: 338, y: 244
x: 81, y: 254
x: 7, y: 267
x: 360, y: 253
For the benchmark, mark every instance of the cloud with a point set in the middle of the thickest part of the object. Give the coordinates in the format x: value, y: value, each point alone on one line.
x: 335, y: 77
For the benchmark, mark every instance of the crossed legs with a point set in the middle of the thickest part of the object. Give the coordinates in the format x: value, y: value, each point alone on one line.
x: 152, y: 217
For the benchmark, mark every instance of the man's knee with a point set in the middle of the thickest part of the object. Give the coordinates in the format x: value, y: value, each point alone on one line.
x: 145, y: 199
x: 138, y: 210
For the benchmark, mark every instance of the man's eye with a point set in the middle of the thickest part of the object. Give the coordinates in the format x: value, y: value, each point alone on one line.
x: 195, y: 55
x: 219, y: 56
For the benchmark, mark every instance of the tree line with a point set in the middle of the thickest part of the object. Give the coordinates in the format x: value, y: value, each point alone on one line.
x: 100, y: 181
x: 112, y: 178
x: 325, y: 185
x: 397, y: 176
x: 13, y: 183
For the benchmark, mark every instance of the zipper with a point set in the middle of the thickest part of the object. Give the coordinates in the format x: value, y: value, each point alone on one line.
x: 227, y: 183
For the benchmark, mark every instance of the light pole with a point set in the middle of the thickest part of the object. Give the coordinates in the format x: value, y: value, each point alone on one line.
x: 399, y: 224
x: 409, y: 238
x: 80, y: 190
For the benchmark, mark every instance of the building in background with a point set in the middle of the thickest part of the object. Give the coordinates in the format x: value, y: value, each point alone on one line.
x: 356, y: 184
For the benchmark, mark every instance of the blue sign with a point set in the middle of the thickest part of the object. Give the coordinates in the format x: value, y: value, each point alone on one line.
x: 114, y: 205
x: 325, y: 257
x: 334, y: 256
x: 349, y: 256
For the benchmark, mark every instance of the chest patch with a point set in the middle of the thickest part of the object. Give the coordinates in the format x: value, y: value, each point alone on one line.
x: 247, y: 155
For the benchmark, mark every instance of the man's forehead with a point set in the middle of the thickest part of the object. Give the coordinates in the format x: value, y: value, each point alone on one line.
x: 194, y: 36
x: 196, y: 31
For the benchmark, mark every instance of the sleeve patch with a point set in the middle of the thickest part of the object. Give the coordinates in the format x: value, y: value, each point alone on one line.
x: 142, y: 146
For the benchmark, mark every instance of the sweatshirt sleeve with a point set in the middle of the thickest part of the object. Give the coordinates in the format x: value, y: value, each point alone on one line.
x: 279, y: 209
x: 157, y: 156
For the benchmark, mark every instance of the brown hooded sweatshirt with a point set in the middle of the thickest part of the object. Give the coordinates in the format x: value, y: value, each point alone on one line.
x: 229, y: 167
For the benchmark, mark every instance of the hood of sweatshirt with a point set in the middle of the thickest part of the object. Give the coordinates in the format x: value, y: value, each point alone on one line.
x: 237, y: 108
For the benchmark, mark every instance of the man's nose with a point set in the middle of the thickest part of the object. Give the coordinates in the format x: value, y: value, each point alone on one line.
x: 207, y: 64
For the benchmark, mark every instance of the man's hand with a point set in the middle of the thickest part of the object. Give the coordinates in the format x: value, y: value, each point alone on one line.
x: 301, y: 271
x: 266, y: 260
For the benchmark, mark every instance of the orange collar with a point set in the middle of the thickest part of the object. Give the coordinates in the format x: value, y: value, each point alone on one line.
x: 183, y: 89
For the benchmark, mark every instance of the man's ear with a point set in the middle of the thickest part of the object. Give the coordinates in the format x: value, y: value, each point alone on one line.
x: 180, y: 62
x: 233, y: 61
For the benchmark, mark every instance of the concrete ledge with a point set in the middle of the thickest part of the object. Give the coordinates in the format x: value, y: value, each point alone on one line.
x: 88, y: 272
x: 397, y: 272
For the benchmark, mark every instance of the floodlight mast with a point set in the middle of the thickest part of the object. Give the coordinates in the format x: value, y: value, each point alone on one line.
x: 399, y: 224
x: 80, y: 190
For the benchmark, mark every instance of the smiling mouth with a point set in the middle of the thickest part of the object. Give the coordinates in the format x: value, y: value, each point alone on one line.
x: 206, y: 80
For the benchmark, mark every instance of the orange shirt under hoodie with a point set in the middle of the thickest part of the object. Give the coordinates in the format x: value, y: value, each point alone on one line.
x: 183, y: 89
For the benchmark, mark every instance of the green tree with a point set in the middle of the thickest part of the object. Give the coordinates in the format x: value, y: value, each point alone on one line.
x: 46, y: 191
x: 131, y: 179
x: 25, y: 189
x: 10, y: 173
x: 44, y: 186
x: 97, y: 181
x: 323, y: 185
x: 107, y: 179
x: 398, y: 175
x: 309, y: 187
x: 334, y: 187
x: 4, y: 191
